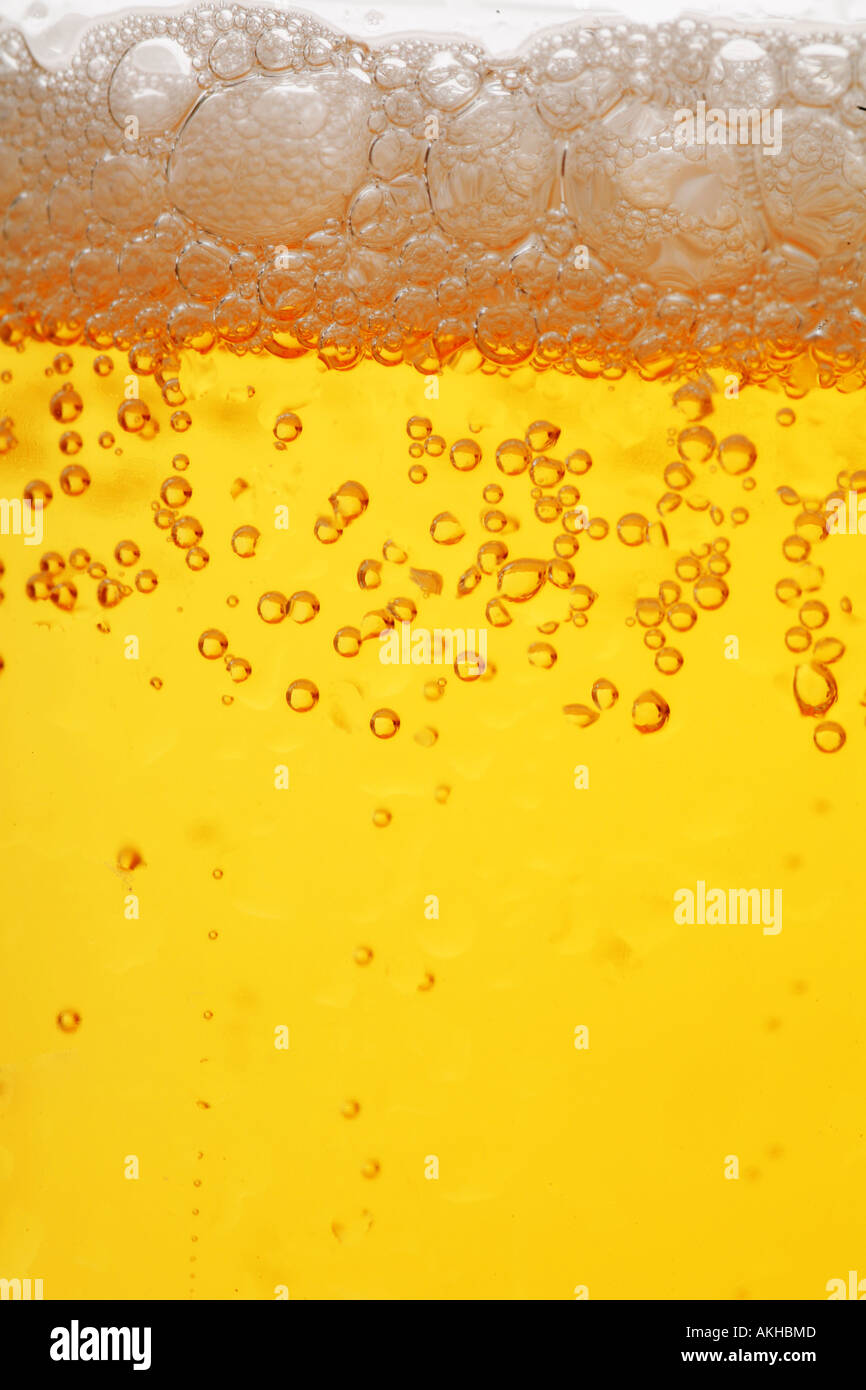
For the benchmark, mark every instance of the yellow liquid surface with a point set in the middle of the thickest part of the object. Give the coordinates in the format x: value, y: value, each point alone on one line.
x: 432, y: 1130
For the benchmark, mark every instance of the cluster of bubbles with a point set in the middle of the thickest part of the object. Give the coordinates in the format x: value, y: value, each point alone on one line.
x: 254, y: 177
x: 704, y: 467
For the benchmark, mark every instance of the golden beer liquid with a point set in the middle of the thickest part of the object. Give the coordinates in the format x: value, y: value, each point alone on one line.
x: 332, y: 977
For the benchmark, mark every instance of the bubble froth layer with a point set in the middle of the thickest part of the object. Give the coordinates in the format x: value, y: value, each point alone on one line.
x: 257, y: 178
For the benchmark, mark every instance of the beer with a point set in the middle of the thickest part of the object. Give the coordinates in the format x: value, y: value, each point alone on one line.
x: 431, y: 683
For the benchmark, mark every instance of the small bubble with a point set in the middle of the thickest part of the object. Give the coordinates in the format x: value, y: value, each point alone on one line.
x: 347, y: 641
x: 66, y: 405
x: 668, y: 660
x: 68, y: 1020
x: 446, y: 529
x: 418, y: 427
x: 244, y: 541
x: 213, y: 644
x: 371, y: 1169
x: 650, y: 712
x: 542, y: 655
x: 737, y: 454
x: 815, y: 688
x: 288, y: 427
x: 512, y: 457
x: 542, y: 435
x: 362, y: 955
x: 197, y: 558
x: 785, y: 417
x: 303, y: 606
x: 186, y: 532
x: 384, y: 723
x: 126, y: 553
x: 465, y: 455
x: 273, y: 606
x: 604, y: 693
x: 217, y: 873
x: 829, y: 737
x: 302, y: 696
x: 381, y: 818
x: 74, y: 480
x: 132, y: 416
x: 349, y: 1109
x: 175, y: 492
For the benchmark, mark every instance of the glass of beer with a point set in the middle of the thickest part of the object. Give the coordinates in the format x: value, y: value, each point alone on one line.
x: 433, y: 520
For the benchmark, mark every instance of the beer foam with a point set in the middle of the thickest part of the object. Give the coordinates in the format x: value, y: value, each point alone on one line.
x: 608, y: 195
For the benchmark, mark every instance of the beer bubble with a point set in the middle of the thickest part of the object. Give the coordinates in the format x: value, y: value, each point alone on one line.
x: 668, y: 660
x: 813, y: 613
x: 737, y: 454
x: 70, y: 443
x: 815, y: 688
x: 68, y: 1020
x: 109, y: 593
x: 175, y: 492
x: 650, y: 712
x: 349, y: 502
x: 66, y: 404
x: 302, y: 696
x: 385, y: 723
x: 710, y: 591
x: 829, y: 737
x: 520, y: 580
x: 696, y: 444
x: 238, y: 668
x: 347, y: 641
x: 369, y: 575
x: 582, y: 716
x: 126, y: 553
x: 244, y: 541
x: 186, y: 531
x: 288, y: 427
x: 197, y: 558
x: 512, y: 457
x: 465, y: 454
x: 446, y: 529
x: 63, y: 595
x: 417, y: 473
x: 303, y: 606
x: 542, y: 655
x: 394, y: 553
x: 74, y: 480
x: 828, y: 650
x: 418, y: 427
x: 133, y: 415
x: 37, y: 491
x: 381, y: 818
x: 273, y: 606
x: 542, y: 435
x: 146, y: 581
x: 604, y: 693
x: 632, y: 528
x: 427, y: 736
x: 213, y: 644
